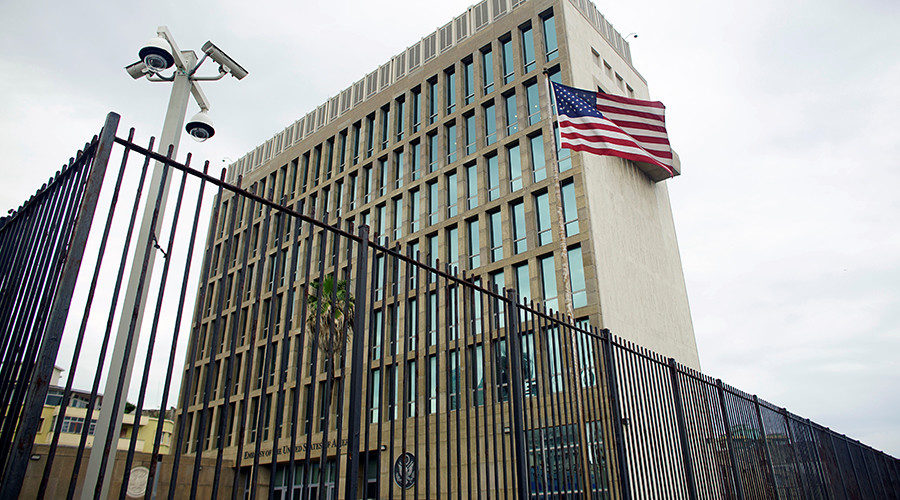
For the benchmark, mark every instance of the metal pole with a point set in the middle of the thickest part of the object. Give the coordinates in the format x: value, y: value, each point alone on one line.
x: 514, y: 343
x: 682, y: 431
x: 119, y: 371
x: 770, y: 467
x: 613, y: 388
x: 356, y: 363
x: 734, y: 468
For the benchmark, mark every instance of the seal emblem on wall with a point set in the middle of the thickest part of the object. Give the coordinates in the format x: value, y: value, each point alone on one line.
x: 405, y: 470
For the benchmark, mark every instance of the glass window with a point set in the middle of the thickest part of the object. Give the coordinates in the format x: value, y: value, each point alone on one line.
x: 382, y: 175
x: 317, y: 164
x: 548, y: 282
x: 470, y: 133
x: 469, y: 77
x: 398, y: 169
x: 453, y: 375
x: 563, y: 155
x: 533, y: 102
x: 432, y: 101
x: 512, y: 115
x: 550, y: 37
x: 432, y: 383
x: 432, y: 318
x: 520, y: 240
x: 453, y: 247
x: 538, y: 163
x: 370, y: 135
x: 523, y: 282
x: 329, y: 157
x: 303, y: 177
x: 401, y: 118
x: 515, y: 167
x: 474, y: 245
x: 576, y: 277
x: 452, y: 196
x: 356, y: 132
x: 385, y: 125
x: 414, y: 274
x: 493, y: 174
x: 472, y: 186
x: 542, y: 213
x: 487, y: 71
x: 451, y: 143
x: 450, y: 91
x: 374, y: 396
x: 433, y: 201
x: 528, y: 49
x: 496, y: 227
x: 342, y: 152
x: 499, y: 281
x: 416, y: 110
x: 414, y: 200
x: 570, y: 208
x: 477, y: 357
x: 477, y: 323
x: 432, y: 153
x: 415, y: 158
x: 398, y: 218
x: 506, y: 52
x: 410, y: 385
x: 412, y: 320
x: 490, y: 124
x: 377, y: 333
x: 351, y: 194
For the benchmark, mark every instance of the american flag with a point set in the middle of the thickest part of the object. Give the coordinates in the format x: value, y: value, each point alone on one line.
x: 606, y: 124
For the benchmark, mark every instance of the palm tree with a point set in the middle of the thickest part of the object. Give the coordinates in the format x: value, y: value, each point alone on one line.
x: 336, y: 309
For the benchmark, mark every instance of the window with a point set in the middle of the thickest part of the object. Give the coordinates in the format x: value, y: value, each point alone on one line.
x: 381, y: 220
x: 548, y: 282
x: 469, y: 81
x: 493, y: 177
x: 450, y: 91
x: 490, y: 124
x: 432, y: 101
x: 378, y: 276
x: 538, y: 163
x: 342, y: 154
x: 401, y: 118
x: 453, y: 248
x: 472, y: 186
x: 413, y: 251
x: 576, y: 277
x: 452, y: 196
x: 377, y: 332
x: 550, y: 37
x: 374, y: 396
x: 487, y: 71
x: 370, y: 135
x: 432, y: 384
x: 412, y: 319
x: 528, y: 61
x: 477, y: 309
x: 512, y: 115
x: 520, y: 239
x: 506, y: 52
x: 414, y: 199
x: 433, y: 199
x: 398, y: 218
x: 499, y: 281
x: 303, y: 178
x: 533, y: 103
x: 570, y: 208
x: 352, y: 193
x: 563, y: 155
x: 329, y: 157
x: 356, y: 132
x: 496, y: 227
x: 410, y: 386
x: 432, y: 153
x: 367, y: 184
x: 415, y: 158
x: 523, y: 282
x: 542, y: 213
x: 453, y: 382
x: 451, y: 143
x: 474, y: 245
x: 470, y: 133
x: 477, y: 357
x: 432, y: 318
x: 385, y: 125
x: 398, y: 169
x: 515, y: 167
x: 416, y: 109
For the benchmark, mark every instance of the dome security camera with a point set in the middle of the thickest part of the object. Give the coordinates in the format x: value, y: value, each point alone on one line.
x: 157, y: 54
x: 200, y: 127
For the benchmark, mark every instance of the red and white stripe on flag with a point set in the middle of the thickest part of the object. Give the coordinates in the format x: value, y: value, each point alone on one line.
x: 628, y: 128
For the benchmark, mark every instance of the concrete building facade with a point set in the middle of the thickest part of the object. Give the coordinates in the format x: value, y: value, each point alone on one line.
x: 449, y: 150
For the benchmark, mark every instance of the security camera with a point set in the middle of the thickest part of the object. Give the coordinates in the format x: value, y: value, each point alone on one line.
x: 137, y: 70
x: 200, y: 127
x: 157, y: 54
x: 224, y: 60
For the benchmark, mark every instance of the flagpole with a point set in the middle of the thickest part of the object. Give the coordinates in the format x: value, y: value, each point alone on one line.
x: 560, y: 216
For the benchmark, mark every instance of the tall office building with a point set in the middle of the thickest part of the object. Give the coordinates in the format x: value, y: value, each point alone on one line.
x: 450, y: 150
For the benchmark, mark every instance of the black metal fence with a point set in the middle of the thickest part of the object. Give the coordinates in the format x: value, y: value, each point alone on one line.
x: 320, y: 362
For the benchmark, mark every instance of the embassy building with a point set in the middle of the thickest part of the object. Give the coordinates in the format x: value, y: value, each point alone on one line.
x: 449, y: 151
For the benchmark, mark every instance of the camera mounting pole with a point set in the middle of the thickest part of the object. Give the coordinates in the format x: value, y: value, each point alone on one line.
x: 103, y: 453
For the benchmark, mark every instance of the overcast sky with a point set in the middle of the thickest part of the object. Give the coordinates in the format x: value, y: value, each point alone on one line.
x: 783, y: 113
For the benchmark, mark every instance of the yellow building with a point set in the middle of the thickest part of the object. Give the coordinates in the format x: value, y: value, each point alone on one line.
x: 75, y: 419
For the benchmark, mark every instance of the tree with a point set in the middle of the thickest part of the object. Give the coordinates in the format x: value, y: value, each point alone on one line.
x: 331, y: 300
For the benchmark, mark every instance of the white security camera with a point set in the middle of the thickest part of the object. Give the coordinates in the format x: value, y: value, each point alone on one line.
x: 200, y: 127
x: 224, y: 60
x: 157, y: 54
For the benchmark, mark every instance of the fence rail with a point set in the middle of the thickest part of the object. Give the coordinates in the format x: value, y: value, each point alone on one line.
x: 320, y: 361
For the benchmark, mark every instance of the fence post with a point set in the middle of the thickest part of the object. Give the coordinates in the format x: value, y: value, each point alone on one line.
x: 612, y: 384
x: 514, y: 341
x: 738, y: 488
x: 356, y: 363
x: 770, y: 467
x: 790, y: 434
x: 837, y: 463
x: 37, y: 390
x: 820, y: 466
x: 682, y: 431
